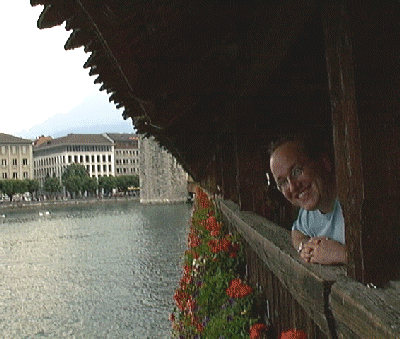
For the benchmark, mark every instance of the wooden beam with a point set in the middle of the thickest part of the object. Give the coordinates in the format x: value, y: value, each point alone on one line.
x: 363, y: 87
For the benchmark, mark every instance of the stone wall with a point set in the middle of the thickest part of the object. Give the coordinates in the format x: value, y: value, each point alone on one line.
x: 162, y: 179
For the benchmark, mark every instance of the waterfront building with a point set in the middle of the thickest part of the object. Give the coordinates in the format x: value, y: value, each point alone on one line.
x: 16, y: 157
x: 94, y: 151
x: 126, y: 153
x: 162, y: 178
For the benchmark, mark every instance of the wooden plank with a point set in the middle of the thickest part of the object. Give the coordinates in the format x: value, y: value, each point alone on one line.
x: 362, y: 312
x: 309, y: 284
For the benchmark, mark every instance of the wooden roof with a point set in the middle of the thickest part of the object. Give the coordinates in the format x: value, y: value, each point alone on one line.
x: 188, y: 72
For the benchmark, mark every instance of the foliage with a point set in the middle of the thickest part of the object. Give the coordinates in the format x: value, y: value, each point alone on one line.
x: 52, y: 185
x: 74, y: 178
x: 107, y: 183
x: 213, y: 299
x: 33, y: 186
x: 13, y: 186
x: 74, y: 170
x: 123, y: 182
x: 90, y: 184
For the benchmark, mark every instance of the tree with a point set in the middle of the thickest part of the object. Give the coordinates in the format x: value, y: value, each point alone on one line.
x: 74, y: 178
x: 75, y: 170
x: 124, y: 182
x: 90, y: 185
x: 107, y: 183
x: 52, y: 185
x: 32, y: 186
x: 13, y: 186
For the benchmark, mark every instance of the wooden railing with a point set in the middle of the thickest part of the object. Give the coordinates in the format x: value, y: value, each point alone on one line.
x: 318, y: 299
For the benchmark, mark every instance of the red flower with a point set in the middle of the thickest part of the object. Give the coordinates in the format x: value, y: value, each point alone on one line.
x: 180, y: 299
x: 293, y: 334
x: 215, y: 233
x: 193, y: 240
x: 212, y: 223
x: 256, y: 330
x: 237, y: 289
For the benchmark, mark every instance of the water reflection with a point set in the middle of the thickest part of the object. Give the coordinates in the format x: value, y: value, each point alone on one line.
x: 104, y: 271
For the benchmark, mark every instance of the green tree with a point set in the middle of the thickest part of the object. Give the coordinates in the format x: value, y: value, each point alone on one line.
x: 13, y: 186
x: 74, y: 178
x: 107, y: 183
x: 32, y: 186
x: 124, y: 182
x: 52, y: 185
x: 91, y: 185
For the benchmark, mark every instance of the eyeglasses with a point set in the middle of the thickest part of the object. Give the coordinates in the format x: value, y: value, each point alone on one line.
x: 283, y: 184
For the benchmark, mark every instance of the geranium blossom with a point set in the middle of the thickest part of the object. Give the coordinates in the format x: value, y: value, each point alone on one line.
x: 256, y: 330
x: 237, y: 289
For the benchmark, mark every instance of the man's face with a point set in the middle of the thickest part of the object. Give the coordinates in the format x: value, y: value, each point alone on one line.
x: 304, y: 182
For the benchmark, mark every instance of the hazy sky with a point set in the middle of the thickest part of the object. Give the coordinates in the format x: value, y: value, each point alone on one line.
x: 38, y: 77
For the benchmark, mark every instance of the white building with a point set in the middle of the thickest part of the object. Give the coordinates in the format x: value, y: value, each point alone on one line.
x: 162, y: 179
x: 126, y: 153
x: 16, y: 157
x: 94, y: 151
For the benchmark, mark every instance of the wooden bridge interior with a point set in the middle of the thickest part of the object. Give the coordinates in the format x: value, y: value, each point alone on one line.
x: 215, y: 83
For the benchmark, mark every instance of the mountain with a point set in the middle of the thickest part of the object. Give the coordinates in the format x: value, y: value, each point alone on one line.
x: 94, y: 115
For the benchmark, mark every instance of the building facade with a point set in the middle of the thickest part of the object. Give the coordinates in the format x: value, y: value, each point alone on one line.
x: 162, y: 178
x: 16, y: 157
x: 126, y: 153
x: 94, y: 151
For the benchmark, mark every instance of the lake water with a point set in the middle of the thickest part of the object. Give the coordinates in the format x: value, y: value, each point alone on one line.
x: 99, y: 271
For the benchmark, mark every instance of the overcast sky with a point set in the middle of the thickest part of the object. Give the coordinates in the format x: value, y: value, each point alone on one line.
x: 38, y: 77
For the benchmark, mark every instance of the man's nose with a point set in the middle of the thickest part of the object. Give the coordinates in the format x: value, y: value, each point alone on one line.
x: 293, y: 185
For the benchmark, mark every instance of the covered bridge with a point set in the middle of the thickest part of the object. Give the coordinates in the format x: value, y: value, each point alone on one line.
x: 215, y: 81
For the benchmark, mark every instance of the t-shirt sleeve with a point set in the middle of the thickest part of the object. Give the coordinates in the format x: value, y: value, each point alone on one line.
x: 300, y: 222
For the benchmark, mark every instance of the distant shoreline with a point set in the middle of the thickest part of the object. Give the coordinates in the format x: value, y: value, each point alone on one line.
x: 49, y: 203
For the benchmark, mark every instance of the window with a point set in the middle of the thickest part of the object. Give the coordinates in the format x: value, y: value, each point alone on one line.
x: 87, y: 158
x: 104, y: 168
x: 3, y: 162
x: 4, y: 175
x: 104, y: 158
x: 14, y: 149
x: 109, y: 158
x: 25, y: 175
x: 98, y: 168
x: 3, y: 149
x: 15, y: 175
x: 92, y: 158
x: 14, y: 162
x: 24, y: 149
x: 69, y: 159
x: 25, y: 161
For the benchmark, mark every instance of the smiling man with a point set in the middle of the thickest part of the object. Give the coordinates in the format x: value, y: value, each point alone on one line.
x: 304, y: 174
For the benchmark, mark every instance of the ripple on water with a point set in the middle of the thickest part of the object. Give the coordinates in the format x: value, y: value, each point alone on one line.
x: 91, y: 272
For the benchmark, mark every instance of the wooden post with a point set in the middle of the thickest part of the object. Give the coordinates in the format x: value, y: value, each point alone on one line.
x: 363, y: 77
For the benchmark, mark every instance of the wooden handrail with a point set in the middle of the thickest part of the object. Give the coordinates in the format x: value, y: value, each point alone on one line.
x: 337, y: 304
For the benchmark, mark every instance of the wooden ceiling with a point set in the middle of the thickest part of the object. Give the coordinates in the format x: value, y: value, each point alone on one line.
x: 191, y: 72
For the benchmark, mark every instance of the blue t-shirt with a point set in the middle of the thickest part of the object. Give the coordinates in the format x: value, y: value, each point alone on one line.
x: 316, y: 224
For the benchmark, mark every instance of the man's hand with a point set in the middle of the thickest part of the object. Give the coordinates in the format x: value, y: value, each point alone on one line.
x: 324, y: 251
